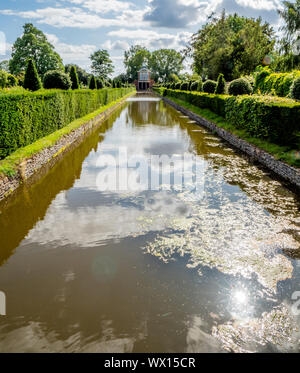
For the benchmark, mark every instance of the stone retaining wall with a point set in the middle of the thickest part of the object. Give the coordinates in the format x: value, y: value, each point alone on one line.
x: 50, y: 155
x: 289, y: 173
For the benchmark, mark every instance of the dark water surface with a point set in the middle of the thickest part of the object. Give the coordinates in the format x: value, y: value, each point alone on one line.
x: 175, y: 270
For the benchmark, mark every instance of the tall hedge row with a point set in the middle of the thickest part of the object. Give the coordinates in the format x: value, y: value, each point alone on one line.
x: 278, y: 83
x: 27, y: 117
x: 274, y: 118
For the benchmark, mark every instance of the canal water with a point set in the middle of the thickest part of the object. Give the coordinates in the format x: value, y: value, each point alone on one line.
x: 211, y: 264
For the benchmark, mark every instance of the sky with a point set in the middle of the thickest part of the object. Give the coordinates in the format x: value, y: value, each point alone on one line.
x: 77, y: 28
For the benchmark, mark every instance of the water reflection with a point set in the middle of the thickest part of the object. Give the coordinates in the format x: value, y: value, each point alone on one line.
x: 164, y: 270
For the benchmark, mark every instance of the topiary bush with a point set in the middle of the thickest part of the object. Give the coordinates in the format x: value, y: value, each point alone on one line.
x: 184, y: 86
x: 100, y: 84
x: 56, y: 79
x: 221, y: 85
x: 209, y: 86
x: 12, y: 81
x: 178, y: 85
x: 200, y: 86
x: 295, y: 90
x: 239, y: 87
x: 93, y: 83
x: 194, y: 86
x: 3, y: 79
x: 32, y: 80
x: 74, y: 78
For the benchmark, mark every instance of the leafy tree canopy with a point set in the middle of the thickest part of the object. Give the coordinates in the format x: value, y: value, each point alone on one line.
x: 83, y: 76
x: 164, y: 63
x: 33, y: 44
x: 4, y: 65
x: 134, y: 59
x: 102, y: 65
x: 231, y: 45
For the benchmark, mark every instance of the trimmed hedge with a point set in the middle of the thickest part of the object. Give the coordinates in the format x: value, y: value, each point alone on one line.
x: 278, y: 83
x: 27, y: 117
x: 295, y: 89
x: 55, y: 79
x: 239, y: 86
x: 209, y: 86
x: 266, y: 117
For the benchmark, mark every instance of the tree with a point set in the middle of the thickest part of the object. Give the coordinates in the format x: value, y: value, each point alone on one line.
x: 102, y: 65
x: 134, y: 59
x: 3, y: 78
x: 231, y: 45
x: 32, y: 80
x: 221, y: 84
x: 93, y: 83
x: 164, y: 63
x: 289, y: 50
x: 4, y: 65
x: 34, y: 44
x: 55, y: 79
x: 83, y: 76
x: 74, y: 78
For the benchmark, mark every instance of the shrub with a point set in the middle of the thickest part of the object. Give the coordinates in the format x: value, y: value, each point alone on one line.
x: 32, y: 80
x: 93, y: 83
x: 200, y: 86
x: 194, y: 86
x: 268, y: 117
x: 278, y: 83
x: 239, y: 87
x: 12, y: 81
x: 178, y: 85
x: 56, y: 79
x: 100, y: 84
x: 184, y: 86
x: 74, y: 78
x: 209, y: 86
x: 221, y: 85
x: 264, y: 117
x: 295, y: 90
x: 3, y: 78
x: 27, y: 117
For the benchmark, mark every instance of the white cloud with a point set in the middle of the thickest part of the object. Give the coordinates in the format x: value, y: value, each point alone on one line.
x: 115, y: 45
x: 103, y: 6
x: 153, y: 39
x: 260, y: 4
x: 77, y: 17
x: 70, y: 53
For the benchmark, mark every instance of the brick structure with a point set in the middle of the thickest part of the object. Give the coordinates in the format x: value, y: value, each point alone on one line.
x: 144, y: 81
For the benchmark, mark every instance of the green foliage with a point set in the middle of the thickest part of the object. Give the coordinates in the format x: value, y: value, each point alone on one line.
x: 231, y: 45
x: 83, y: 76
x: 93, y: 83
x: 221, y: 85
x: 100, y: 84
x: 164, y: 64
x: 3, y: 79
x: 12, y: 81
x: 27, y: 117
x: 263, y: 117
x: 34, y: 44
x: 4, y: 65
x: 134, y: 59
x: 102, y: 65
x: 74, y: 78
x: 295, y: 90
x: 209, y: 86
x: 200, y: 85
x: 32, y: 80
x: 279, y: 83
x: 177, y: 85
x: 194, y: 86
x: 57, y: 80
x: 184, y: 86
x: 239, y: 86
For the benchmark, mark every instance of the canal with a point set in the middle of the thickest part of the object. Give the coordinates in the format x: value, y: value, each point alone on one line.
x: 207, y: 265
